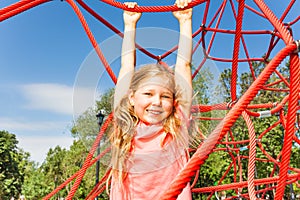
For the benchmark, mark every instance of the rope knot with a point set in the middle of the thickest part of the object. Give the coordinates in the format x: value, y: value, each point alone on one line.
x: 158, y: 58
x: 231, y: 104
x: 297, y: 42
x: 203, y: 27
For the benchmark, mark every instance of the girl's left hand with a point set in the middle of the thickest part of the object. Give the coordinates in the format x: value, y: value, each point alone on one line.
x: 183, y: 14
x: 182, y: 3
x: 131, y: 17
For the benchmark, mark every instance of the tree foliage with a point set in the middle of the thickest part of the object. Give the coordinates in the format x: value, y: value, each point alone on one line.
x: 13, y: 162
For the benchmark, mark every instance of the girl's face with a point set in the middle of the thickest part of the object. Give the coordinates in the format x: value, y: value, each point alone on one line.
x: 152, y: 101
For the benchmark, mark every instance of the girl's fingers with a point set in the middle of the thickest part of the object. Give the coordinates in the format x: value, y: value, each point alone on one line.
x: 130, y: 4
x: 182, y: 3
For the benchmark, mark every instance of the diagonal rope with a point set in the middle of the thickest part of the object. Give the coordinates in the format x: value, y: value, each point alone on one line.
x: 202, y: 153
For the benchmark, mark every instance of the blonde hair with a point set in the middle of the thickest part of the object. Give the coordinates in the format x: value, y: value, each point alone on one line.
x: 125, y: 120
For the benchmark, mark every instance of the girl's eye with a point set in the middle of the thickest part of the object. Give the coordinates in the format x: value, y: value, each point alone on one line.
x: 147, y: 93
x: 166, y: 96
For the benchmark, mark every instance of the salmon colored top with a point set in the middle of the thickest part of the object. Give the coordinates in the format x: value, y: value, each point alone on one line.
x: 154, y: 162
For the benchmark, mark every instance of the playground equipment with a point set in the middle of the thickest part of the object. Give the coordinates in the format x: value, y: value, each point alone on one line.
x: 282, y: 46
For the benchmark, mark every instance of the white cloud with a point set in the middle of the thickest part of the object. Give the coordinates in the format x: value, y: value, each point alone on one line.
x: 58, y: 98
x: 38, y: 137
x: 14, y: 125
x: 38, y: 146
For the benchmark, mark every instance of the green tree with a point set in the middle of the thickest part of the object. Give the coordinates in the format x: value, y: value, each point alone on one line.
x: 35, y: 184
x: 86, y: 127
x: 73, y: 162
x: 106, y: 100
x: 13, y: 162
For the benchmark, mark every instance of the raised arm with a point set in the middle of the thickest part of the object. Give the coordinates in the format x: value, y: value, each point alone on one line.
x: 183, y: 76
x: 128, y: 53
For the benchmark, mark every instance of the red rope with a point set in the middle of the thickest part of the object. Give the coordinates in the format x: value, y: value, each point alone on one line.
x: 170, y: 8
x: 99, y: 187
x: 114, y: 29
x: 64, y: 184
x: 281, y: 32
x: 202, y: 153
x: 18, y: 8
x: 92, y: 40
x: 204, y: 29
x: 236, y: 49
x: 275, y: 22
x: 252, y: 156
x: 243, y: 184
x: 14, y: 6
x: 290, y: 124
x: 88, y: 158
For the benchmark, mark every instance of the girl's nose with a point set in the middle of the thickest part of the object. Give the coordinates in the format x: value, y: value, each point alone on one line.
x: 156, y: 100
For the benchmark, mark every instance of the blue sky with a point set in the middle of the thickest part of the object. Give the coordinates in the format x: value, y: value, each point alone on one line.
x: 46, y: 60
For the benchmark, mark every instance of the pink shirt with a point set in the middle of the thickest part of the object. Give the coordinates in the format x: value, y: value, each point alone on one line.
x: 154, y: 162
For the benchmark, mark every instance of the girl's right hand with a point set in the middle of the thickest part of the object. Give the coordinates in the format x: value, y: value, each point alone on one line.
x: 131, y: 17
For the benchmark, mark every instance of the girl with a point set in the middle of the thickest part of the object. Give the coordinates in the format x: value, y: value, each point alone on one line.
x: 151, y: 108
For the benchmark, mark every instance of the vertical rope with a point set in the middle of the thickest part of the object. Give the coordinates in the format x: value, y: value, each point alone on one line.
x: 236, y: 49
x: 290, y: 125
x: 252, y: 156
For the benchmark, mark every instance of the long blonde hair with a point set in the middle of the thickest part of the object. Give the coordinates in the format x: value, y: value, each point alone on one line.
x: 125, y: 120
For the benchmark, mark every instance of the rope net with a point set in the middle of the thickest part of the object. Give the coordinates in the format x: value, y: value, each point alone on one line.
x: 247, y: 153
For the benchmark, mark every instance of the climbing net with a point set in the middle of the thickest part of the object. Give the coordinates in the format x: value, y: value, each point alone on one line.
x: 281, y: 46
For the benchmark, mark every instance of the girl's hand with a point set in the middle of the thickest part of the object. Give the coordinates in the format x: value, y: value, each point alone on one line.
x: 182, y: 3
x: 183, y: 14
x: 131, y: 17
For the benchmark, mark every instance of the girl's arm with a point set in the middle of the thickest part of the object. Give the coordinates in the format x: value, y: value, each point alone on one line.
x: 183, y: 74
x: 128, y: 53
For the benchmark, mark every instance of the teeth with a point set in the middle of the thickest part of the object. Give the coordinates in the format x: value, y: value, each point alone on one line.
x: 154, y: 112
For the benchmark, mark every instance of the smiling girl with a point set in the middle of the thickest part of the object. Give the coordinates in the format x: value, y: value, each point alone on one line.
x: 151, y: 112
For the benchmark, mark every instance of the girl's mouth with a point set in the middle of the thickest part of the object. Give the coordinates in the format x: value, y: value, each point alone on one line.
x: 154, y: 112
